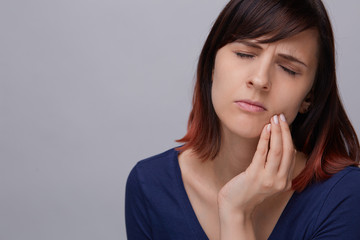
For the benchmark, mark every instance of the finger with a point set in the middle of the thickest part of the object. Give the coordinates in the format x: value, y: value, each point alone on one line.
x: 262, y: 147
x: 292, y: 167
x: 291, y: 172
x: 288, y: 148
x: 275, y: 152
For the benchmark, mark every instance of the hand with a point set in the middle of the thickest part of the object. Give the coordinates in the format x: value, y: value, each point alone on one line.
x: 269, y: 173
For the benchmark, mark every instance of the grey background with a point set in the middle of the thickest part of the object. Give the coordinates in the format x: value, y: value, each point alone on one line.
x: 88, y: 88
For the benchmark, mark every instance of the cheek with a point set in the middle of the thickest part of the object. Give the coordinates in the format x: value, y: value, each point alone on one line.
x: 223, y: 87
x: 291, y: 95
x: 218, y: 91
x: 292, y: 115
x: 290, y: 105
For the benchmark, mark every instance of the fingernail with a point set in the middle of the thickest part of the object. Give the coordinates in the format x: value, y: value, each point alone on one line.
x: 282, y: 117
x: 268, y: 128
x: 276, y: 119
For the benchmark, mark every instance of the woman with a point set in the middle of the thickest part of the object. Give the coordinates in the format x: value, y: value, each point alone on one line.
x: 269, y: 152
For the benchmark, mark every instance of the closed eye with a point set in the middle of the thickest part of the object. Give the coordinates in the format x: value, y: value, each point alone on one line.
x: 291, y: 72
x: 244, y: 55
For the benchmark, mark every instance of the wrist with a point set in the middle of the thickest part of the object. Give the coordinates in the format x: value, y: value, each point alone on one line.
x: 237, y: 216
x: 237, y: 213
x: 236, y: 225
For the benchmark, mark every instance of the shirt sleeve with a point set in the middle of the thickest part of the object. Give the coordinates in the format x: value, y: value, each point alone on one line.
x: 136, y: 212
x: 339, y: 218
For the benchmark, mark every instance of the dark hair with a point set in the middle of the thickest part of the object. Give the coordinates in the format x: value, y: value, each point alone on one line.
x: 324, y: 133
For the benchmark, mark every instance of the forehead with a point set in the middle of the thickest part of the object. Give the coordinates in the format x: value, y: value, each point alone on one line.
x: 304, y: 44
x: 306, y: 40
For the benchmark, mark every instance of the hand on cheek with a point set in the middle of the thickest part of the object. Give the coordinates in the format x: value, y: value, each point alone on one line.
x: 269, y: 173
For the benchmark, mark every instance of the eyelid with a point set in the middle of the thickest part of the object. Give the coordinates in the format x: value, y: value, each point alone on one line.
x: 290, y: 67
x: 289, y: 71
x: 244, y: 54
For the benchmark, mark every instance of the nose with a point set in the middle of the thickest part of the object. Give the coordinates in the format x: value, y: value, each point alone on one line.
x: 260, y: 78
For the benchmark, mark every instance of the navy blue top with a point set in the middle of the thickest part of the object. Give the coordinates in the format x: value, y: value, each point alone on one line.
x: 157, y: 206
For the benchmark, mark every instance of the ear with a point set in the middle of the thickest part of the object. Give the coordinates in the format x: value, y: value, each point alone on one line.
x: 305, y: 105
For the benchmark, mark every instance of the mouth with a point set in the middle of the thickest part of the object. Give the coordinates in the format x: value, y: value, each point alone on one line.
x: 250, y: 106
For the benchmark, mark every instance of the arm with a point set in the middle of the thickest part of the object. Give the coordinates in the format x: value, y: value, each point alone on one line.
x: 136, y: 215
x: 269, y: 173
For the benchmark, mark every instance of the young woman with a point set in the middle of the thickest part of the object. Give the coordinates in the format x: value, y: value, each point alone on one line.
x: 269, y: 152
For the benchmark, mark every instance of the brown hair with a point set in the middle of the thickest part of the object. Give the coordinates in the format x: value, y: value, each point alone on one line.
x: 324, y: 133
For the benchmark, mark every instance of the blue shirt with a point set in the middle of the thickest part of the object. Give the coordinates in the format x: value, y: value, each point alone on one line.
x: 157, y: 206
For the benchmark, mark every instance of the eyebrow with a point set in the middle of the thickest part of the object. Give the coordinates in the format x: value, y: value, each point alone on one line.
x: 292, y: 59
x: 282, y: 55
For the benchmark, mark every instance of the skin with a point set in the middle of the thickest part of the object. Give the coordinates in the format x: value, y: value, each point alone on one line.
x: 242, y: 192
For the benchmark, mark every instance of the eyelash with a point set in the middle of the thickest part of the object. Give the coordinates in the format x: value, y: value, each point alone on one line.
x: 249, y: 56
x: 292, y: 73
x: 244, y: 55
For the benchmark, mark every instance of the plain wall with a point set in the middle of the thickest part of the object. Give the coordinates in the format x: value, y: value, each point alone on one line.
x: 88, y: 88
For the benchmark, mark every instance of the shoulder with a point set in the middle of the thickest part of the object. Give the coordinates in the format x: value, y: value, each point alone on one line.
x: 145, y: 187
x: 344, y: 183
x: 155, y: 170
x: 157, y: 164
x: 158, y: 161
x: 341, y: 186
x: 325, y: 208
x: 339, y: 212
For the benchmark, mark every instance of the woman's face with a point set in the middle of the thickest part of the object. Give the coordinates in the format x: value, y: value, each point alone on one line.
x: 252, y: 82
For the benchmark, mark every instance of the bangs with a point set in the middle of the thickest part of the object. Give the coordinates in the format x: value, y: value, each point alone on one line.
x: 274, y: 19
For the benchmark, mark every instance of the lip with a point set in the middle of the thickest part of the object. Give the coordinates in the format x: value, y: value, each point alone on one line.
x: 250, y: 106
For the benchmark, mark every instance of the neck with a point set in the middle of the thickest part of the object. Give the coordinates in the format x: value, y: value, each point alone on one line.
x: 234, y: 157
